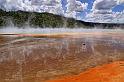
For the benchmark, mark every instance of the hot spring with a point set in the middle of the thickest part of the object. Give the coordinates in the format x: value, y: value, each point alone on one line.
x: 38, y: 55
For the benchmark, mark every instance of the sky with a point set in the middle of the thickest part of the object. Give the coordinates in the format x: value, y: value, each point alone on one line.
x: 103, y: 11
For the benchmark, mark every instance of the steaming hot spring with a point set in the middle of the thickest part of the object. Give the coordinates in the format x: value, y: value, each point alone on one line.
x: 40, y: 55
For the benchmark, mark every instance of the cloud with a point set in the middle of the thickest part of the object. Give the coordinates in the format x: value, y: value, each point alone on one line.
x: 102, y: 11
x: 46, y: 2
x: 51, y: 6
x: 52, y: 2
x: 104, y: 4
x: 7, y: 4
x: 118, y: 17
x: 71, y: 14
x: 2, y: 2
x: 74, y: 7
x: 98, y: 17
x: 111, y: 17
x: 120, y: 1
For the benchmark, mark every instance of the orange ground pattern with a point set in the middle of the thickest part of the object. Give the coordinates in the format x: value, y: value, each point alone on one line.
x: 113, y: 72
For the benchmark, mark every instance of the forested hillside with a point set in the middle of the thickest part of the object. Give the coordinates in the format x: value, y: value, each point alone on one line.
x: 34, y: 19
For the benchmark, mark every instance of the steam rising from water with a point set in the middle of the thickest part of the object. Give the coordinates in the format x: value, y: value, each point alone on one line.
x: 29, y: 30
x: 34, y: 59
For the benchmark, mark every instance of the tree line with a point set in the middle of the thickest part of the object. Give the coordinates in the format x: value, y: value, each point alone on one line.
x: 42, y: 20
